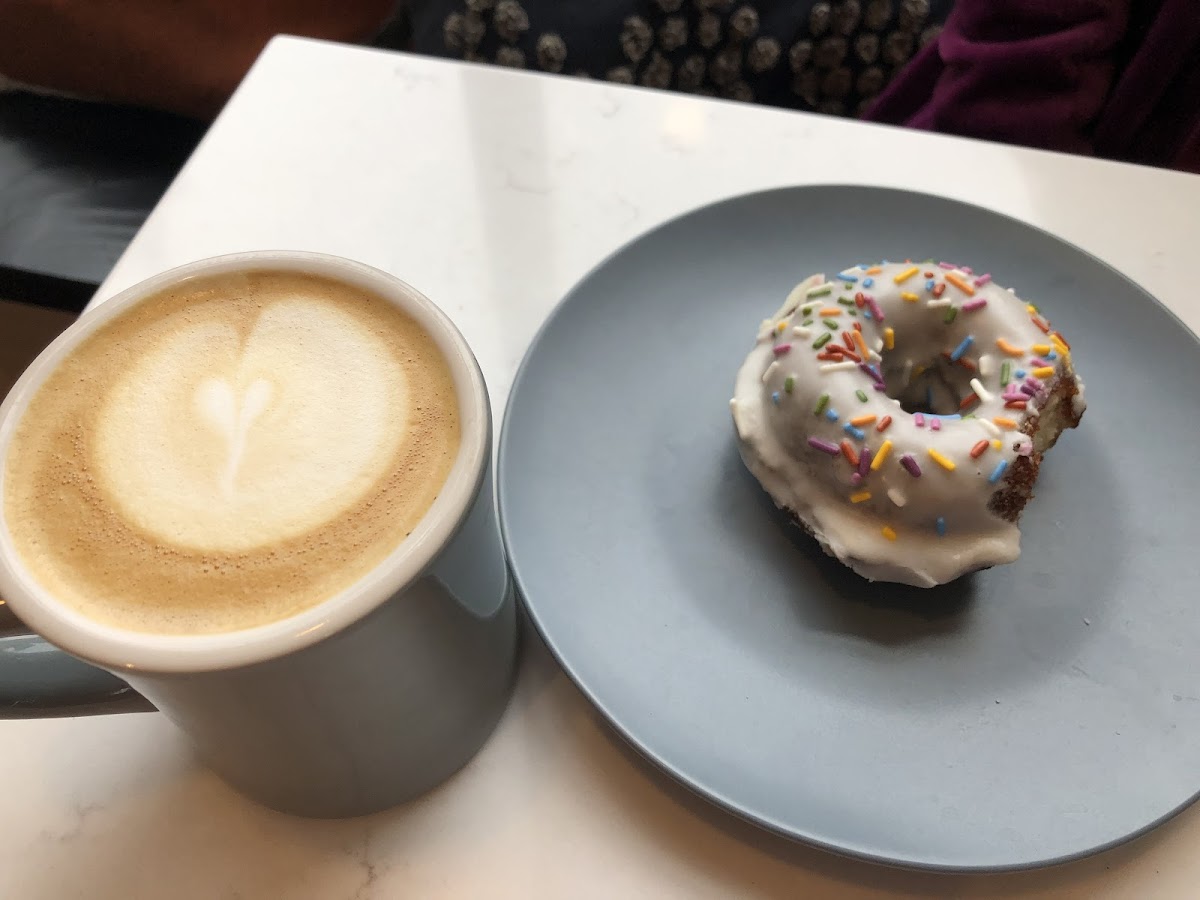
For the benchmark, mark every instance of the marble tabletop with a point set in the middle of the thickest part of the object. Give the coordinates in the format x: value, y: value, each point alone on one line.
x: 493, y: 192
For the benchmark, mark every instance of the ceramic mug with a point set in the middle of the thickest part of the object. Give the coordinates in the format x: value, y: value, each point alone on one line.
x: 369, y: 698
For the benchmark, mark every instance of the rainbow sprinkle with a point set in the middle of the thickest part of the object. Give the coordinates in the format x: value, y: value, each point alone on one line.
x: 910, y: 465
x: 947, y: 464
x: 888, y: 532
x: 998, y: 472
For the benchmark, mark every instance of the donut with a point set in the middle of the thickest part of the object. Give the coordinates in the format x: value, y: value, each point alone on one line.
x: 900, y: 412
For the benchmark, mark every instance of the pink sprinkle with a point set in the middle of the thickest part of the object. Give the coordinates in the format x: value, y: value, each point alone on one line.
x: 946, y: 265
x: 972, y: 305
x: 824, y: 446
x: 864, y: 463
x: 875, y: 310
x: 1034, y: 383
x: 1025, y: 448
x: 983, y: 279
x: 918, y: 420
x: 855, y: 478
x: 781, y: 349
x: 968, y: 270
x: 1037, y: 362
x: 935, y: 424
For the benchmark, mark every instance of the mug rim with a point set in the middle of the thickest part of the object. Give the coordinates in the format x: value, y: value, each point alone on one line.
x: 127, y: 651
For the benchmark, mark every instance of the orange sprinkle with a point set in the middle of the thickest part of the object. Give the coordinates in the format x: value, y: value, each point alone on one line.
x: 850, y: 453
x: 968, y: 400
x: 860, y: 496
x: 928, y: 274
x: 909, y: 296
x: 827, y: 356
x: 939, y: 289
x: 847, y: 340
x: 860, y: 299
x: 888, y: 532
x: 1015, y: 404
x: 857, y: 326
x: 829, y: 311
x: 1009, y: 348
x: 979, y: 449
x: 1004, y: 423
x: 862, y: 345
x: 874, y: 270
x: 884, y: 423
x: 963, y: 286
x: 859, y: 421
x: 906, y: 274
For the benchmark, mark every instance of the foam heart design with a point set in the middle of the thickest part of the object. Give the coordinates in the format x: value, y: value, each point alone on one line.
x: 225, y: 438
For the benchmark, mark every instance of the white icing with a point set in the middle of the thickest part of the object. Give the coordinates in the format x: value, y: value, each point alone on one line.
x: 221, y: 442
x: 774, y: 424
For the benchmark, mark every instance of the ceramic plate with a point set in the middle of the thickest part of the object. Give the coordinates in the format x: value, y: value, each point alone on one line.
x: 1025, y: 715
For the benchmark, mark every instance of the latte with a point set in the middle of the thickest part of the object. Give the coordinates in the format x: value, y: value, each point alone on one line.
x: 230, y: 452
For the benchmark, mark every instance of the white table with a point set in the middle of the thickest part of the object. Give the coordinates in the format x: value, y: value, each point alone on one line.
x: 494, y: 191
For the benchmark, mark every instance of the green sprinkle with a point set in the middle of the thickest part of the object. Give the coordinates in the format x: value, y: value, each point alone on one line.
x: 822, y: 402
x: 970, y: 416
x: 845, y: 301
x: 789, y: 383
x: 807, y: 323
x: 808, y: 308
x: 821, y: 342
x: 1005, y: 373
x: 861, y: 395
x: 821, y: 291
x: 950, y: 314
x: 831, y: 324
x: 852, y: 312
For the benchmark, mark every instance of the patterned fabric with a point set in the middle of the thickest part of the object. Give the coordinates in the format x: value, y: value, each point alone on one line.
x: 833, y: 56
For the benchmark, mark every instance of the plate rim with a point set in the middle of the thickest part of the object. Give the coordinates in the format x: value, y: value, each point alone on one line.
x: 695, y: 786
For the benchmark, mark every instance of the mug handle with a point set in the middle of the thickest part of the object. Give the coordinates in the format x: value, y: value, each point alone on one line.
x: 38, y: 681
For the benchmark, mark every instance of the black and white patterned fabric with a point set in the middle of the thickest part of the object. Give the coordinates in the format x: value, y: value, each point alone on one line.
x: 833, y: 56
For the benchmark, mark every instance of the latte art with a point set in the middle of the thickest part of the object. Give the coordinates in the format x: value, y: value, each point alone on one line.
x: 250, y: 439
x: 229, y: 453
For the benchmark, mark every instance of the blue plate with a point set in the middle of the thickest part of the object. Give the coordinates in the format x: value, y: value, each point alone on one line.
x: 1023, y: 716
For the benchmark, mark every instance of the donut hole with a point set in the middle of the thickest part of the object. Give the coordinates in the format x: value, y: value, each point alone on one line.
x: 935, y: 386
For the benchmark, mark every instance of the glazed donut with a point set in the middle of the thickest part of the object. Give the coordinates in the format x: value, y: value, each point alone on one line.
x: 900, y: 411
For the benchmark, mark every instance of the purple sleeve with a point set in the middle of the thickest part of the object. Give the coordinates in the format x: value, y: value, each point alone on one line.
x: 1033, y: 72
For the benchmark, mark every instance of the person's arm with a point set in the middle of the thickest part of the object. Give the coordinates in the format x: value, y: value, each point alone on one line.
x: 185, y: 56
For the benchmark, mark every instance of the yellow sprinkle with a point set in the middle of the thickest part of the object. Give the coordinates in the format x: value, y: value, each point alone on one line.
x: 905, y: 275
x: 889, y: 339
x: 1060, y: 345
x: 909, y: 296
x: 779, y: 328
x: 830, y: 311
x: 889, y: 532
x: 880, y: 455
x: 859, y: 421
x: 1043, y: 372
x: 860, y: 496
x: 946, y: 464
x: 1041, y: 349
x: 1004, y: 423
x: 874, y: 270
x: 1009, y: 348
x: 1029, y: 307
x: 917, y: 371
x: 998, y: 444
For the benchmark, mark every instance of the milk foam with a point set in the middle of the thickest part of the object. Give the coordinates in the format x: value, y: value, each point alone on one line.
x: 212, y: 441
x: 229, y: 453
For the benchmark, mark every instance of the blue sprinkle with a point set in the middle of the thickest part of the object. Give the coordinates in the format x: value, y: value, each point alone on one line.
x: 962, y: 348
x: 831, y: 414
x: 998, y: 472
x: 867, y: 313
x: 941, y: 526
x: 775, y: 397
x: 929, y: 285
x: 846, y: 277
x: 1051, y: 355
x: 1020, y: 373
x: 856, y: 433
x: 868, y: 282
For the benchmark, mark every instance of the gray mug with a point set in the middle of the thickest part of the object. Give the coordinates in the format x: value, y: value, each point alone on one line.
x: 367, y: 699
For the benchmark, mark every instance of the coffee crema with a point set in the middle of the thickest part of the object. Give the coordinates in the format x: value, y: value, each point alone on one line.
x: 229, y: 452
